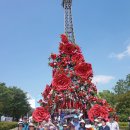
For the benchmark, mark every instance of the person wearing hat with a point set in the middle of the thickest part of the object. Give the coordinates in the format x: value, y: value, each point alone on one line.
x: 52, y: 128
x: 82, y: 125
x: 20, y: 125
x: 65, y: 127
x: 70, y: 125
x: 40, y: 125
x: 112, y: 123
x: 31, y: 126
x: 96, y: 126
x: 88, y: 127
x: 46, y: 127
x: 99, y: 121
x: 60, y: 126
x: 25, y: 123
x: 104, y: 125
x: 75, y: 122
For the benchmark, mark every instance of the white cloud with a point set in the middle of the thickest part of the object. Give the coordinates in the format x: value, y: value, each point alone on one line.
x: 102, y: 79
x: 121, y: 55
x: 128, y: 50
x: 31, y: 101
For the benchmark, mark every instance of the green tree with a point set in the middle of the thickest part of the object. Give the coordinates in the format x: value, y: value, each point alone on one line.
x: 122, y: 86
x: 109, y: 96
x: 5, y: 99
x: 127, y: 82
x: 122, y: 97
x: 123, y: 105
x: 14, y: 101
x: 19, y: 103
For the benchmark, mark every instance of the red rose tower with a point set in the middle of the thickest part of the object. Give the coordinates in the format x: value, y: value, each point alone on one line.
x: 71, y: 88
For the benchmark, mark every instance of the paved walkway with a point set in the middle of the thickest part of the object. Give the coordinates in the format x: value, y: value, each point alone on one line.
x: 14, y: 128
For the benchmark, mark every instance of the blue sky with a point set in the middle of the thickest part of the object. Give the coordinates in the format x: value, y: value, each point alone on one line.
x: 30, y: 30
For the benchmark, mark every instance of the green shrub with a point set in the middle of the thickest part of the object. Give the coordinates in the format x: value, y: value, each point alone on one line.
x: 123, y: 124
x: 124, y: 128
x: 123, y: 118
x: 7, y: 125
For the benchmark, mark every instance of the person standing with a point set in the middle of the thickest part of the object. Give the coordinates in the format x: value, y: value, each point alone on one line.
x: 104, y: 125
x: 65, y: 127
x: 20, y: 125
x: 99, y: 121
x: 25, y: 123
x: 96, y: 126
x: 82, y: 125
x: 31, y: 126
x: 89, y: 127
x: 112, y: 123
x: 75, y: 122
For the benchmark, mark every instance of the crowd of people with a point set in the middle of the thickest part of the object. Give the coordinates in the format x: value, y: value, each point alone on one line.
x: 73, y: 123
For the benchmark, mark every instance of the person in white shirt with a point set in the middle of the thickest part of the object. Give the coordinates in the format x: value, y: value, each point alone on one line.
x: 112, y: 123
x: 96, y: 126
x: 99, y: 121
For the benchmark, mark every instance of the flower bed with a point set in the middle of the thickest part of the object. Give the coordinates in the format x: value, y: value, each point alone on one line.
x: 7, y: 125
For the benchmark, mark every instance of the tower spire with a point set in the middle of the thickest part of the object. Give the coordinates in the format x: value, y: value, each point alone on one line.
x: 68, y: 23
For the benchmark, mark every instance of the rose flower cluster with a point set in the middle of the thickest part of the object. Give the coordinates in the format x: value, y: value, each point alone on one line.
x: 71, y: 86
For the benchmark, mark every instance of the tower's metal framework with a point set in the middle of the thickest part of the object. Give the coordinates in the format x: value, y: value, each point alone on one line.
x: 68, y: 23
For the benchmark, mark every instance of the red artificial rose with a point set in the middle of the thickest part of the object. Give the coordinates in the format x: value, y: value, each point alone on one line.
x: 83, y: 70
x: 77, y: 87
x: 62, y: 64
x: 68, y: 49
x: 94, y: 88
x: 82, y: 94
x: 61, y: 81
x: 65, y: 59
x: 53, y: 72
x: 53, y: 56
x: 56, y: 99
x: 92, y: 99
x: 77, y: 58
x: 53, y: 64
x: 40, y: 114
x: 110, y: 109
x: 40, y: 101
x: 102, y: 101
x: 78, y: 49
x: 96, y: 111
x: 64, y: 38
x: 78, y: 105
x: 46, y: 91
x: 71, y: 90
x: 50, y: 102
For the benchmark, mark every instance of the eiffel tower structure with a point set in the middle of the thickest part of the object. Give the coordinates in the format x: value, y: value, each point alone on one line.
x: 68, y: 22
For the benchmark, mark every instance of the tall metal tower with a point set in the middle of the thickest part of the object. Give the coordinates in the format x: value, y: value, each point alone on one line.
x: 68, y: 23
